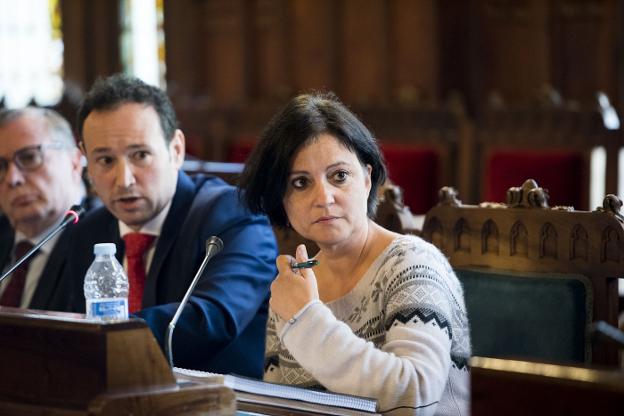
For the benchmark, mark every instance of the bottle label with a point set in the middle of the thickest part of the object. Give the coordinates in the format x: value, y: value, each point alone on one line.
x: 107, y: 309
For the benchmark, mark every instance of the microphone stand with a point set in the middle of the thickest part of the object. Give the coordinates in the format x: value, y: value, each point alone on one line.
x: 72, y: 216
x: 213, y: 246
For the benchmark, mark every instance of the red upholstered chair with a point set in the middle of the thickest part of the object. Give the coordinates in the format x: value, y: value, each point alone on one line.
x: 416, y: 170
x: 240, y: 149
x: 551, y: 144
x: 563, y: 170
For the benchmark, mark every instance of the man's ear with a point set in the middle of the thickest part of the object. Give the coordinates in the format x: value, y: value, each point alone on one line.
x: 177, y: 148
x: 76, y: 159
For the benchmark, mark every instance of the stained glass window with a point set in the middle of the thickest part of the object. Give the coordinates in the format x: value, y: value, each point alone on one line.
x: 31, y: 46
x: 143, y: 40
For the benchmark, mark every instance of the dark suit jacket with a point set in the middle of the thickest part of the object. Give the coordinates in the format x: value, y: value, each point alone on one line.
x: 48, y: 295
x: 222, y: 329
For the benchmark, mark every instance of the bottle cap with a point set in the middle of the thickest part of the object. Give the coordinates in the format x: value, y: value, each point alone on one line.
x: 104, y: 248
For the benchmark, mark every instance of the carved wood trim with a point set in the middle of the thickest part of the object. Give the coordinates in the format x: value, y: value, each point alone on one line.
x: 518, y: 240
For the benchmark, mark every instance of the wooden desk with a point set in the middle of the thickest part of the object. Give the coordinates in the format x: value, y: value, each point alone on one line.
x: 62, y: 364
x: 509, y: 387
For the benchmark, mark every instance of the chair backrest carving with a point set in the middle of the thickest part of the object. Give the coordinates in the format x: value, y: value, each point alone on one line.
x: 526, y: 238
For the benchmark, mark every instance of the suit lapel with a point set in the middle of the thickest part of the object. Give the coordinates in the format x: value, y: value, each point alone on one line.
x: 182, y: 201
x: 6, y: 242
x: 51, y: 273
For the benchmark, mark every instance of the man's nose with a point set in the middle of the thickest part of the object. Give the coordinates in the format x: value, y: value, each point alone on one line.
x: 14, y: 175
x: 125, y: 175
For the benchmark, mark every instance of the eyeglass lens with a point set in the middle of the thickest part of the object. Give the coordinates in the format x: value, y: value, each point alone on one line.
x: 27, y: 159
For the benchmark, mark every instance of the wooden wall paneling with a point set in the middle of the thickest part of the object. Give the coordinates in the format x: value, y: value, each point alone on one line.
x: 75, y: 42
x: 91, y: 40
x: 414, y: 49
x: 456, y: 34
x: 313, y: 32
x: 185, y: 66
x: 583, y: 48
x: 514, y: 53
x: 363, y: 42
x: 268, y: 68
x: 619, y: 60
x: 187, y: 77
x: 225, y: 37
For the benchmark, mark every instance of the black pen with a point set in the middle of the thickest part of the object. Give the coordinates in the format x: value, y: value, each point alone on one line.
x: 305, y: 265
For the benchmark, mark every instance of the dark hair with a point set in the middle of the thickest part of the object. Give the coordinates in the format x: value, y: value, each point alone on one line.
x: 109, y: 93
x: 304, y: 118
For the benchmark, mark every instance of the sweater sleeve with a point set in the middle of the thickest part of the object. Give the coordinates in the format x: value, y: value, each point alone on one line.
x: 272, y: 347
x: 409, y: 372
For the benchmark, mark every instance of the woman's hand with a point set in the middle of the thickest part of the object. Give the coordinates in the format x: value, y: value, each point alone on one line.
x: 292, y: 289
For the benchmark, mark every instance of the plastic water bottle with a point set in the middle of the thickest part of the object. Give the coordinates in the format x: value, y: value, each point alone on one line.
x: 106, y: 285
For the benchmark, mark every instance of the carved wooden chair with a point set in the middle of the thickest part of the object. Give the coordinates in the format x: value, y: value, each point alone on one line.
x: 534, y: 277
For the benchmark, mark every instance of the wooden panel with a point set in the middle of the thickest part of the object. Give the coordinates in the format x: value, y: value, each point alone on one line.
x: 414, y: 51
x: 313, y: 50
x: 507, y: 387
x: 224, y: 35
x: 185, y: 67
x: 583, y: 44
x: 364, y: 51
x: 58, y: 363
x: 513, y: 48
x: 269, y: 71
x: 91, y: 40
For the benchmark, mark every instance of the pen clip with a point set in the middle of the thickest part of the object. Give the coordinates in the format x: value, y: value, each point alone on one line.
x: 305, y: 264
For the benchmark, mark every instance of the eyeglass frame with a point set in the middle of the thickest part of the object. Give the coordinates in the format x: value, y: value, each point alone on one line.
x: 40, y: 148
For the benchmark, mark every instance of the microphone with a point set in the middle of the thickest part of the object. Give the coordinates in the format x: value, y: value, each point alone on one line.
x: 213, y: 246
x: 71, y: 216
x: 601, y: 330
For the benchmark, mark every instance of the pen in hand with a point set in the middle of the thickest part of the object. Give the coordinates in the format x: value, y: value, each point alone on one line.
x: 305, y: 265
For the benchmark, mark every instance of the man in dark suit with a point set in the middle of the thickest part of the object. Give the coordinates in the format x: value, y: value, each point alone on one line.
x: 160, y: 219
x: 40, y: 178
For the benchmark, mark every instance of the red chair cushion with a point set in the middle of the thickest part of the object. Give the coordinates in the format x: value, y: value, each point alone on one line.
x: 415, y: 170
x: 561, y: 172
x: 240, y: 150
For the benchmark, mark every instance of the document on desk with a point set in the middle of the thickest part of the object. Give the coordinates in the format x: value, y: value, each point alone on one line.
x: 280, y: 391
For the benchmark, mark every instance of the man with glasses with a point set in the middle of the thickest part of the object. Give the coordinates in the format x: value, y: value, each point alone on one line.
x: 40, y: 178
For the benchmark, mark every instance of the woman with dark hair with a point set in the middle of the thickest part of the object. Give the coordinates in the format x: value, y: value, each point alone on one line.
x: 382, y: 314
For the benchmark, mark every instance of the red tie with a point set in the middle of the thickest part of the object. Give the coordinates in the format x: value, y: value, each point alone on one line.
x: 12, y: 295
x: 137, y: 245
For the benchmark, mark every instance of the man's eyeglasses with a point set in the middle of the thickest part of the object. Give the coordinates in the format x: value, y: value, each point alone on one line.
x: 28, y: 158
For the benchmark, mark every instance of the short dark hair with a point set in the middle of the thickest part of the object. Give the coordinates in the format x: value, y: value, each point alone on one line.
x: 305, y: 118
x: 111, y: 92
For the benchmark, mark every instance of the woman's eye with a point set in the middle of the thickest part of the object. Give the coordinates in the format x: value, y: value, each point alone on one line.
x: 299, y: 183
x: 341, y: 176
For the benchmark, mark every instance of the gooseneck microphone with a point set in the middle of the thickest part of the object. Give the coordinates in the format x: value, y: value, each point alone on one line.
x: 213, y: 246
x: 71, y: 216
